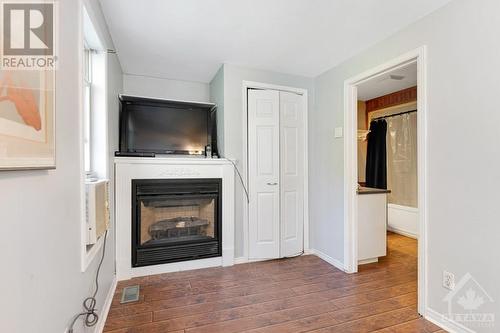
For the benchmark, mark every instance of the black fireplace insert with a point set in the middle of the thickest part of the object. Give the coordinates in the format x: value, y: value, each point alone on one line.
x: 175, y: 220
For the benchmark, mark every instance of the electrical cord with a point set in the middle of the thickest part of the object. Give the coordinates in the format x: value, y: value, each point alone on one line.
x: 248, y: 198
x: 89, y: 304
x: 241, y: 178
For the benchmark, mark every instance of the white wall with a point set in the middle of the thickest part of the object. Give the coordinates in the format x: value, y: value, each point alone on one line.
x: 464, y: 154
x: 233, y: 113
x: 165, y: 88
x: 40, y: 212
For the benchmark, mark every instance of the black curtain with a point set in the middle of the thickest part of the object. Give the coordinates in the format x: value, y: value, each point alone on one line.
x: 376, y: 156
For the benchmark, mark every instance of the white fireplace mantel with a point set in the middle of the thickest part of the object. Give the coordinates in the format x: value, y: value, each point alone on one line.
x: 128, y: 168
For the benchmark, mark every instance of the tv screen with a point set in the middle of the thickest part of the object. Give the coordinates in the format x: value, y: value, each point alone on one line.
x: 165, y: 127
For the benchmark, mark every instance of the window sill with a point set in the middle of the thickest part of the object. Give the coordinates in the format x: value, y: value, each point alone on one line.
x: 89, y: 254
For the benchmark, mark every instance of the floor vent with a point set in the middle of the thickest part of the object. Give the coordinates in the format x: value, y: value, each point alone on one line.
x: 130, y: 294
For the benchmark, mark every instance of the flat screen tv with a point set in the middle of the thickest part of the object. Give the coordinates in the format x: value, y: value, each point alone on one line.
x: 166, y: 127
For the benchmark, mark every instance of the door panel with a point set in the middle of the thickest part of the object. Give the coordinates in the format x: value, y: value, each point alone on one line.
x: 263, y: 171
x: 292, y: 120
x: 290, y: 140
x: 291, y: 226
x: 264, y: 154
x: 266, y: 205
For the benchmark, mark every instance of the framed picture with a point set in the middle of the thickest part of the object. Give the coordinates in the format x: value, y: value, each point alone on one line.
x: 27, y: 119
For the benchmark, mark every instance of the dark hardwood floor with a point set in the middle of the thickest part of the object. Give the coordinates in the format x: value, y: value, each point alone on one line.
x: 303, y: 294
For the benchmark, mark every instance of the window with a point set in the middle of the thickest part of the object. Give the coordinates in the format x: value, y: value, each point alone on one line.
x: 94, y: 141
x: 87, y: 108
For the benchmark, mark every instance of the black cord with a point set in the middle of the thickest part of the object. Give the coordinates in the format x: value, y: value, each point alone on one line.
x: 241, y: 179
x: 89, y: 304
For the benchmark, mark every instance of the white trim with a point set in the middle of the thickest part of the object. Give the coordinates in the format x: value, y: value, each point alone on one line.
x: 245, y: 260
x: 402, y: 232
x: 86, y: 14
x: 166, y: 99
x: 409, y: 215
x: 89, y: 256
x: 85, y: 259
x: 180, y: 266
x: 259, y: 85
x: 368, y: 261
x: 446, y: 324
x: 332, y: 261
x: 127, y: 169
x: 240, y: 260
x: 106, y: 306
x: 350, y: 161
x: 403, y: 208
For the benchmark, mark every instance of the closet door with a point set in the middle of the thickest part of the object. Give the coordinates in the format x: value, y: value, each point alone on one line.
x: 292, y: 122
x: 264, y: 173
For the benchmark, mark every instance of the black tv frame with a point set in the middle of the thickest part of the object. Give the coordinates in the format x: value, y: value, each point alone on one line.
x: 125, y: 100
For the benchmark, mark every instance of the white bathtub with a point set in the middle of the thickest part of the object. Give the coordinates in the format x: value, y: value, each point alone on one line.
x: 402, y: 220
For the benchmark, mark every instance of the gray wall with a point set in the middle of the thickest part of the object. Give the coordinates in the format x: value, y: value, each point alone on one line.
x: 217, y: 97
x: 464, y: 154
x: 43, y: 286
x: 233, y: 113
x: 165, y: 88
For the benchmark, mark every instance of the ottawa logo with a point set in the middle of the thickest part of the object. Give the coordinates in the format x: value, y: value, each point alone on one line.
x: 470, y: 305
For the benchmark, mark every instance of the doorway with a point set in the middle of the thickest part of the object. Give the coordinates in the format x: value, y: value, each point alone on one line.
x: 277, y: 168
x: 351, y: 198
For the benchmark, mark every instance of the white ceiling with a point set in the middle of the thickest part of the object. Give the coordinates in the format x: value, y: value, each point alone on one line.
x: 190, y: 39
x: 384, y: 84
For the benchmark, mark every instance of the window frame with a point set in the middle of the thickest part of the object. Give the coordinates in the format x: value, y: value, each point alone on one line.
x: 87, y: 109
x: 93, y: 113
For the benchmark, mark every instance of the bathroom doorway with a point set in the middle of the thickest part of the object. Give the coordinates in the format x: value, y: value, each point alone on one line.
x: 387, y: 144
x: 395, y: 162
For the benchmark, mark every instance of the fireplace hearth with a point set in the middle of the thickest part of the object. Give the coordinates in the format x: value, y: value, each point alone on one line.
x: 175, y: 220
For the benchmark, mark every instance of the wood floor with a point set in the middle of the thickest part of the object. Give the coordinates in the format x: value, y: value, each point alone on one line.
x: 303, y: 294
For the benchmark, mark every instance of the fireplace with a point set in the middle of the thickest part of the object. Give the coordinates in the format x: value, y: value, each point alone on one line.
x: 175, y: 220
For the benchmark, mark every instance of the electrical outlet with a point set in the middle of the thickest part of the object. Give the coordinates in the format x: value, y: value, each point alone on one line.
x: 448, y: 280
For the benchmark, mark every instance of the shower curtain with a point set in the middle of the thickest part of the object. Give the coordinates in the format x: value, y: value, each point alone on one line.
x: 376, y: 156
x: 402, y: 159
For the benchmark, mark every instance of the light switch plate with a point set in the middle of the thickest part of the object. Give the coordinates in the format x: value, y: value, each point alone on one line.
x: 339, y: 132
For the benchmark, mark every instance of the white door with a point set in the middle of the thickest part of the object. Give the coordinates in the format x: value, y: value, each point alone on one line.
x: 292, y: 121
x: 264, y: 173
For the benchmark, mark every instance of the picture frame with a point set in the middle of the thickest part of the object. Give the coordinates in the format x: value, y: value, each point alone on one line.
x: 27, y: 119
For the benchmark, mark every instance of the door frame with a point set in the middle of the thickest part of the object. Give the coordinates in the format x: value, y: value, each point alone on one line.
x: 260, y: 85
x: 418, y: 56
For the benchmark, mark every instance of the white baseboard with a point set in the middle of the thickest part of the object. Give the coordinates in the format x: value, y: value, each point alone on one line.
x: 129, y: 272
x: 106, y: 306
x: 245, y: 260
x: 402, y: 232
x: 368, y: 261
x: 308, y: 252
x: 446, y: 324
x: 240, y: 260
x: 332, y: 261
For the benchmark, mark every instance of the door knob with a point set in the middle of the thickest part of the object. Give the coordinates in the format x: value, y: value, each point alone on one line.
x: 272, y: 184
